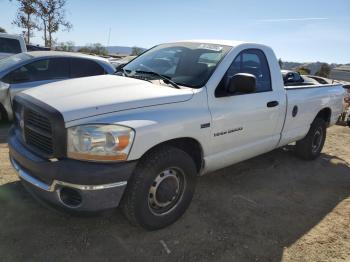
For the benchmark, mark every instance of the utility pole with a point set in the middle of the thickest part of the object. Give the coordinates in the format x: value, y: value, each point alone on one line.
x: 109, y: 37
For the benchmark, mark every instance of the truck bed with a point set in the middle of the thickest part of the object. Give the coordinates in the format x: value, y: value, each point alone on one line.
x: 306, y: 101
x: 311, y: 86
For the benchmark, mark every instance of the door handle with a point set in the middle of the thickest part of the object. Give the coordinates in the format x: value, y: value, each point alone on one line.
x: 272, y: 103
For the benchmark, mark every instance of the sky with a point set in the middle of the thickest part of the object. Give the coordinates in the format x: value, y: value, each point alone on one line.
x: 299, y: 30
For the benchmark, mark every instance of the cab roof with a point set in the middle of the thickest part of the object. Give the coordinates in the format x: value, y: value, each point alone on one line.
x: 231, y: 43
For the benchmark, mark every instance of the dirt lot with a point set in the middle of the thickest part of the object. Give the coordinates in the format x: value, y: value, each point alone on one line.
x: 272, y: 208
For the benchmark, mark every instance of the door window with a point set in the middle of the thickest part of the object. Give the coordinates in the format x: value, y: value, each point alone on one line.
x: 46, y: 69
x: 84, y: 67
x: 251, y: 61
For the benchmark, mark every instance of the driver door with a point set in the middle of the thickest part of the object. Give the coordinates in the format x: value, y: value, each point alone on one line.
x: 245, y: 125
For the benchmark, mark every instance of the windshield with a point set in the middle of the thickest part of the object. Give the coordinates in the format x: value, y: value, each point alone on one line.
x: 187, y: 64
x: 10, y: 61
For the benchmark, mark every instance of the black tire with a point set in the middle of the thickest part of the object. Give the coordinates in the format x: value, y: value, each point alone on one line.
x: 310, y: 147
x: 137, y: 204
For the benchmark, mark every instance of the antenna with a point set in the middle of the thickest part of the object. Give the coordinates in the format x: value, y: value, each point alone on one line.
x: 109, y: 37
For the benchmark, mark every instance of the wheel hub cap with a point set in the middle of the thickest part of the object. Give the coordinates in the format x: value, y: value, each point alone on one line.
x: 317, y: 140
x: 165, y: 190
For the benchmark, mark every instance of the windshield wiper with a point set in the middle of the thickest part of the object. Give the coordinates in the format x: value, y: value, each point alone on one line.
x: 166, y: 79
x: 126, y: 74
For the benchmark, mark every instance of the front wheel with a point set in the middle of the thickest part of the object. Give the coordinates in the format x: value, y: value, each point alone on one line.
x: 160, y: 189
x: 310, y: 147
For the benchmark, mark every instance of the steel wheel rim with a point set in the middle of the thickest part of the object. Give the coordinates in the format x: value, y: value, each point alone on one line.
x: 317, y: 140
x: 156, y: 204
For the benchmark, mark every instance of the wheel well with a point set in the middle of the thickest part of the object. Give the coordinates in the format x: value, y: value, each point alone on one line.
x: 325, y: 114
x: 3, y: 113
x: 188, y: 145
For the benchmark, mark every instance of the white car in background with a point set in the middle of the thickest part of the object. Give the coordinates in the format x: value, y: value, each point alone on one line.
x: 122, y: 61
x: 31, y: 69
x: 11, y: 44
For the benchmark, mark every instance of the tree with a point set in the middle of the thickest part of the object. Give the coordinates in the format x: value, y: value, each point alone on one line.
x: 25, y: 18
x: 324, y: 71
x: 303, y: 70
x: 136, y: 50
x: 96, y: 49
x: 2, y: 30
x: 280, y: 62
x: 52, y: 16
x: 65, y: 46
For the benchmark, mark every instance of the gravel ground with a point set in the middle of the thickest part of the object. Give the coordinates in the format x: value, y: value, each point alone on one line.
x: 271, y: 208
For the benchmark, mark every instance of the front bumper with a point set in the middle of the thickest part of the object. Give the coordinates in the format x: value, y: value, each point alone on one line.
x: 91, y: 186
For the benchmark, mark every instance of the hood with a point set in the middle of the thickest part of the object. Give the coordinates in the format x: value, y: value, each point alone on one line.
x: 89, y: 96
x: 3, y: 55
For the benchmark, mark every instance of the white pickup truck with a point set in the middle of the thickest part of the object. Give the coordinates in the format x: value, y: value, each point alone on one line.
x: 139, y: 139
x: 11, y: 44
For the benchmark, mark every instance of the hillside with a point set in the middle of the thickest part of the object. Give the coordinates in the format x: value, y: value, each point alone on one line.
x: 313, y: 66
x: 114, y: 49
x: 338, y: 72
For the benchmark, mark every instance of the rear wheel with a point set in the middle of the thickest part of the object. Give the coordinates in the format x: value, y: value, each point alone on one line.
x: 160, y: 189
x: 310, y: 147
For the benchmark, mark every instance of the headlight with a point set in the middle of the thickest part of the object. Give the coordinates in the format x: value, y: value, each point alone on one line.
x: 99, y: 142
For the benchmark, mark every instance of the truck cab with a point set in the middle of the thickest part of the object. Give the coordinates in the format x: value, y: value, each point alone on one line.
x: 11, y: 44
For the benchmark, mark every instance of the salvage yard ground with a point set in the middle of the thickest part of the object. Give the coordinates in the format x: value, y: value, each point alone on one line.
x: 271, y: 208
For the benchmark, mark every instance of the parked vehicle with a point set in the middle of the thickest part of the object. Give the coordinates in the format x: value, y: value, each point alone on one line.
x: 292, y: 78
x: 31, y: 69
x: 345, y: 116
x: 11, y: 44
x: 37, y: 48
x: 121, y: 62
x: 141, y: 138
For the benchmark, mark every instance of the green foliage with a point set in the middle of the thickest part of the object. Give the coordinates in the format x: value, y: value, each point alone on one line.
x: 26, y: 18
x: 43, y: 15
x: 303, y: 70
x: 95, y: 48
x: 52, y: 16
x: 136, y: 50
x: 324, y: 70
x: 65, y: 46
x: 2, y: 30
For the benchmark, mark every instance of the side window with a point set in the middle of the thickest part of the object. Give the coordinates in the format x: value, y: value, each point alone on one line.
x: 46, y: 69
x: 251, y: 61
x: 8, y: 45
x: 85, y: 67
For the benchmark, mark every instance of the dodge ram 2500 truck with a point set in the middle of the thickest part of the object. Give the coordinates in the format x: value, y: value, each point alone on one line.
x: 139, y: 138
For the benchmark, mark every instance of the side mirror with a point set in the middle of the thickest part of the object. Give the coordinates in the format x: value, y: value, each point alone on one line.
x: 242, y: 83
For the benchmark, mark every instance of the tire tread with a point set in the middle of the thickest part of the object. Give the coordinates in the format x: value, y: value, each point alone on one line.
x: 145, y: 165
x: 303, y: 147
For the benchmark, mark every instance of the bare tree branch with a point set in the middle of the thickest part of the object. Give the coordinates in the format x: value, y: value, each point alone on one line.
x: 25, y: 18
x: 52, y: 16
